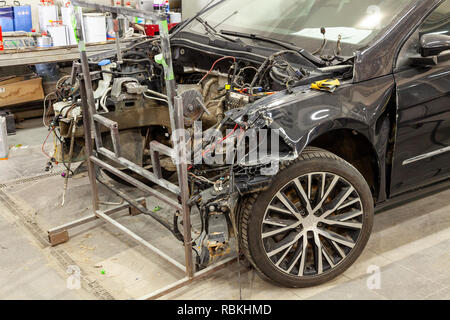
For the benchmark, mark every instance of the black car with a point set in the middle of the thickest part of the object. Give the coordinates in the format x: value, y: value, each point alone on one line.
x: 357, y: 92
x: 384, y: 132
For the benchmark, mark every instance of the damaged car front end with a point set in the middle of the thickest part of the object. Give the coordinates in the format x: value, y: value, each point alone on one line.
x: 271, y: 95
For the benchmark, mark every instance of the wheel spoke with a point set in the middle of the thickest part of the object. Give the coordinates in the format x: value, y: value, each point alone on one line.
x: 327, y: 193
x: 287, y: 203
x: 346, y: 216
x: 283, y: 256
x: 277, y: 222
x: 285, y: 243
x: 336, y: 203
x: 336, y: 237
x: 322, y: 188
x: 304, y: 196
x: 297, y: 255
x: 274, y: 223
x: 353, y: 225
x: 309, y: 186
x: 280, y: 230
x: 279, y: 210
x: 319, y: 253
x: 328, y: 258
x: 303, y: 258
x: 338, y: 249
x: 345, y: 205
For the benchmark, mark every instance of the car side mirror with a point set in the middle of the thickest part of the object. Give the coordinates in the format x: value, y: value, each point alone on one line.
x: 434, y: 44
x: 431, y: 47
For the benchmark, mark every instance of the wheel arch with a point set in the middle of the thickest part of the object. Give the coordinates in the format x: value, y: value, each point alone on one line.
x: 353, y: 145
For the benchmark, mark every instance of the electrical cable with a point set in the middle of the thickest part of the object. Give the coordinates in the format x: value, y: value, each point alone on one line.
x: 45, y: 141
x: 225, y: 138
x: 154, y: 98
x: 45, y: 109
x: 62, y: 151
x: 214, y: 64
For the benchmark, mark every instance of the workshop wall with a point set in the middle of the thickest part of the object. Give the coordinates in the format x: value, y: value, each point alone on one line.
x: 35, y: 13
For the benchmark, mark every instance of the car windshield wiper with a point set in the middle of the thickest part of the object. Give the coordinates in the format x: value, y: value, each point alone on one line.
x: 183, y: 25
x: 286, y: 45
x: 211, y: 30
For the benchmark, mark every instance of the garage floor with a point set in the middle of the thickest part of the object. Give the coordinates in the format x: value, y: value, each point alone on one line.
x: 410, y: 245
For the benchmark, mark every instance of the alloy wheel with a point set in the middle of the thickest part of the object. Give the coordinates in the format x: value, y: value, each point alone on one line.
x: 312, y: 224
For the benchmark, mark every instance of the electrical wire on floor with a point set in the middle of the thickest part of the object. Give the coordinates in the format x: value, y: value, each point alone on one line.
x: 72, y: 142
x: 45, y: 142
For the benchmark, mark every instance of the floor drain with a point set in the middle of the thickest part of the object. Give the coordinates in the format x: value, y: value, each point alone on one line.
x: 30, y: 179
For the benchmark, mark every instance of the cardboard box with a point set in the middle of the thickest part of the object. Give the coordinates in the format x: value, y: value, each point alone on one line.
x: 21, y: 92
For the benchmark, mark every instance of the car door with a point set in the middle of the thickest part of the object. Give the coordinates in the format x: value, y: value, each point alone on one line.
x: 422, y: 146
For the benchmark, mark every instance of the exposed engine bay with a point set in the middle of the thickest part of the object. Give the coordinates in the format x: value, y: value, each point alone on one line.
x: 218, y: 92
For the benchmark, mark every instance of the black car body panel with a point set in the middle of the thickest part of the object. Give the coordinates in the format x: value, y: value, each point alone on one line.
x: 379, y: 58
x: 306, y: 115
x: 417, y: 97
x: 423, y: 127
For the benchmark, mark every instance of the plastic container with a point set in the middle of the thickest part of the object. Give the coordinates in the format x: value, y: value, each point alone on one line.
x: 68, y: 20
x: 175, y: 17
x: 110, y: 33
x: 158, y: 5
x: 3, y: 139
x: 44, y: 41
x: 147, y: 5
x: 94, y: 26
x: 59, y: 35
x: 47, y: 13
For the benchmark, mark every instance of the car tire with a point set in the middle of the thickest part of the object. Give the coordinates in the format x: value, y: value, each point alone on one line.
x: 277, y: 224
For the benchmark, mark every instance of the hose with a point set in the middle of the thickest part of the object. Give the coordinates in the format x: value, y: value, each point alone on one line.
x: 103, y: 99
x: 72, y: 142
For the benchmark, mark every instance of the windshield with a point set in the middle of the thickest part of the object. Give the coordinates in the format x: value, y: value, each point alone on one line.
x: 300, y: 21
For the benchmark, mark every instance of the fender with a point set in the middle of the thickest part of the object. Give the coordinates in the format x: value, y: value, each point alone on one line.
x: 307, y: 114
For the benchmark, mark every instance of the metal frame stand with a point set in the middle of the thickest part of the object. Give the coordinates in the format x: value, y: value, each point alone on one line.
x: 92, y: 122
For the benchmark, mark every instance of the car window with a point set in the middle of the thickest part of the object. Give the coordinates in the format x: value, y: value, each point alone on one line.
x: 355, y: 22
x: 436, y: 23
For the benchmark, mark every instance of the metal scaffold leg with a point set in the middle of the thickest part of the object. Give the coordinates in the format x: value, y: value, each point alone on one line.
x: 93, y: 121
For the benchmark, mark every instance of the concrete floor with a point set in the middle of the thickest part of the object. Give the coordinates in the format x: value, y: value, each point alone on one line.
x: 410, y: 246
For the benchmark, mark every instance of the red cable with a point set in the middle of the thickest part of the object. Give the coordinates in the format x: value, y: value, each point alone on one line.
x: 214, y: 146
x: 214, y: 64
x: 43, y: 144
x: 225, y: 138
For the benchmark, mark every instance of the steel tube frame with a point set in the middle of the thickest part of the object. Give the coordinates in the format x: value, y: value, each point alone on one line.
x: 90, y: 218
x: 92, y: 120
x: 188, y: 280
